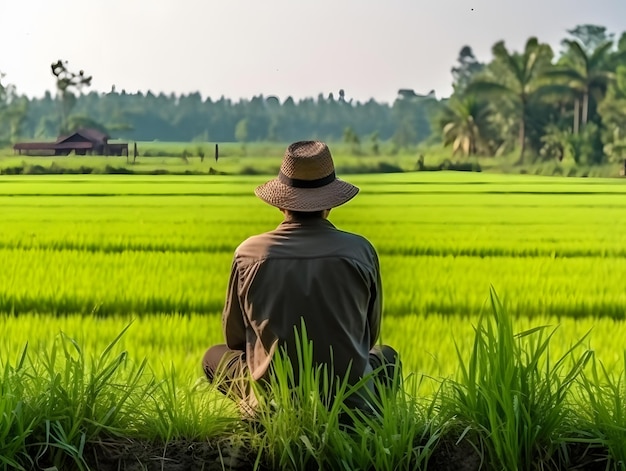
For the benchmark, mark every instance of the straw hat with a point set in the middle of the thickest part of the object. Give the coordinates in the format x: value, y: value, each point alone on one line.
x: 306, y: 181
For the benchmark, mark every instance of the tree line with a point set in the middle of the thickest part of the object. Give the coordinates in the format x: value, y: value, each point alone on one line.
x: 537, y: 102
x: 190, y: 117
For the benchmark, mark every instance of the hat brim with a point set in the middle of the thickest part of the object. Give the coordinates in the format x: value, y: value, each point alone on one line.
x: 328, y: 196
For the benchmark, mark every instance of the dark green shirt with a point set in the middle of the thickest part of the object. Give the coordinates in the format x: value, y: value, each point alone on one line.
x: 305, y: 270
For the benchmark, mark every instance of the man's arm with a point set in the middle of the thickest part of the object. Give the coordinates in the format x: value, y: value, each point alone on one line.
x: 375, y: 307
x: 233, y: 321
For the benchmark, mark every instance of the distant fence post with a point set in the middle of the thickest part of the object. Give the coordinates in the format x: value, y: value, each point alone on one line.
x: 217, y: 152
x: 420, y: 165
x: 624, y: 169
x: 135, y: 153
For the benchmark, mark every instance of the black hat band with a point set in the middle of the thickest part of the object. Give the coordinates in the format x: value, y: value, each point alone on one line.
x: 298, y: 183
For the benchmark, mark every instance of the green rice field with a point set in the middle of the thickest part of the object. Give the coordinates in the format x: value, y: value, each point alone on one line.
x: 84, y: 257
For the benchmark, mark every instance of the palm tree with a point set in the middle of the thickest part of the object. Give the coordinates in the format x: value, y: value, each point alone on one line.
x: 464, y: 125
x: 515, y: 76
x: 585, y: 75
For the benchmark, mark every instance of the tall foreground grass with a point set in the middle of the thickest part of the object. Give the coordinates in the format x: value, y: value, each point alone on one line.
x: 56, y: 401
x: 512, y: 405
x: 514, y: 393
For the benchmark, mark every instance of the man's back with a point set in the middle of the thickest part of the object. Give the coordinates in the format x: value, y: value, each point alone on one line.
x: 306, y: 270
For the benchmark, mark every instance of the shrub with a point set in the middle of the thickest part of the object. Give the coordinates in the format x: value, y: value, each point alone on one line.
x: 117, y: 170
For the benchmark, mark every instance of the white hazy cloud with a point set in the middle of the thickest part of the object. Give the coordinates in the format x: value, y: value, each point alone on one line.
x: 241, y: 48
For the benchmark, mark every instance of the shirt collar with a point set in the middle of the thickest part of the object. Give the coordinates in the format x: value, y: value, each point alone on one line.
x: 314, y: 222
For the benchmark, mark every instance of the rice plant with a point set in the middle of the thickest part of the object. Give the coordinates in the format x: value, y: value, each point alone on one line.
x: 308, y: 418
x: 513, y: 393
x: 603, y: 402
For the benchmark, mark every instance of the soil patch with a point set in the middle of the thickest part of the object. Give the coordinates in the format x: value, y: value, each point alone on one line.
x: 139, y: 455
x: 452, y: 456
x: 226, y: 454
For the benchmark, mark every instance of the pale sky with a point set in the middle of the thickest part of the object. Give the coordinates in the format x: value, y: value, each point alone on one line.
x: 242, y: 48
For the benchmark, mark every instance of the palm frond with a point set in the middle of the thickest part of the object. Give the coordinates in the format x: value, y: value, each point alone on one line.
x: 599, y: 55
x: 578, y: 52
x: 486, y: 87
x: 501, y: 53
x: 555, y: 90
x: 566, y: 73
x: 529, y: 59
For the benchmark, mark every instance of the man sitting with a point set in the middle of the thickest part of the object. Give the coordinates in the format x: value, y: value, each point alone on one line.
x: 305, y: 271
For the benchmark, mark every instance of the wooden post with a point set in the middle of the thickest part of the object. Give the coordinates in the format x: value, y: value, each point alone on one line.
x: 420, y: 163
x: 624, y: 169
x: 217, y: 152
x: 135, y: 152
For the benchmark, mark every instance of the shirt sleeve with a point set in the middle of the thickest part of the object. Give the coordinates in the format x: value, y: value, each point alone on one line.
x: 375, y: 309
x: 233, y: 317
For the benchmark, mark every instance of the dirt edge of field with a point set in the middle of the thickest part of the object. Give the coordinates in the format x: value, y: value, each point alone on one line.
x: 181, y: 455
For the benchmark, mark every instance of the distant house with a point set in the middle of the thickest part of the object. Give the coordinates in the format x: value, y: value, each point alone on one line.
x: 82, y: 142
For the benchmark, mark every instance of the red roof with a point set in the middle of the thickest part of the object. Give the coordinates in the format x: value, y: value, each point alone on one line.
x: 92, y: 135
